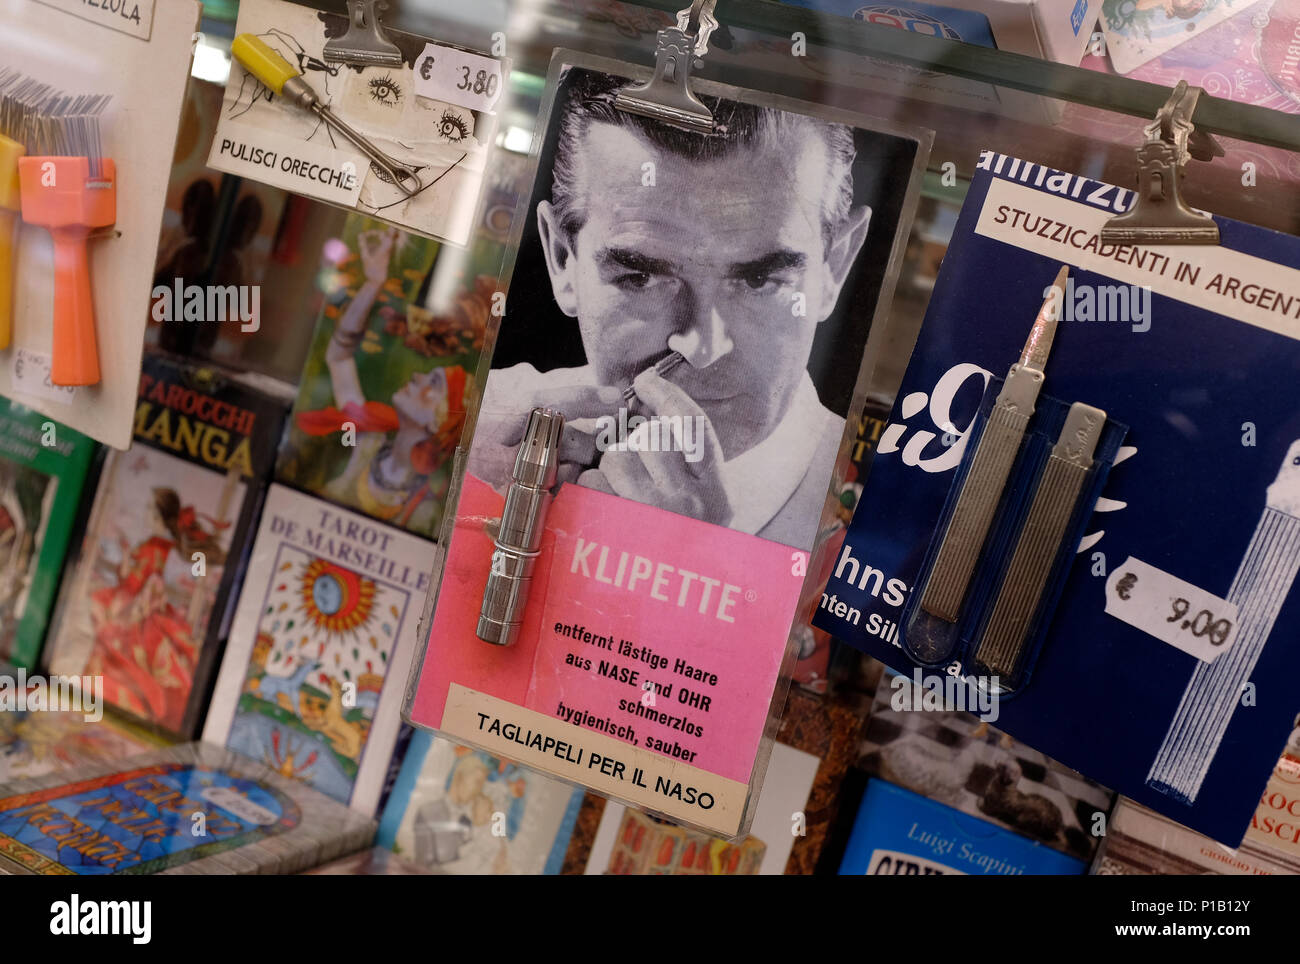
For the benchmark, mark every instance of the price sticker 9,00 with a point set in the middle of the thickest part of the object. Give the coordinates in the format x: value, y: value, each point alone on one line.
x: 1164, y: 606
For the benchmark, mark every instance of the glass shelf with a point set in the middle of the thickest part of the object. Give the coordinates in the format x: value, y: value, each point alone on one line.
x: 1216, y: 115
x: 1084, y: 120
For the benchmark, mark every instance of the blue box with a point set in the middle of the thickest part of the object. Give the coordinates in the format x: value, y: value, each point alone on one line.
x: 900, y: 833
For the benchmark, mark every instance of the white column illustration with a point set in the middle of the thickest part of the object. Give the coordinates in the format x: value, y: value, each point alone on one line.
x: 1261, y: 585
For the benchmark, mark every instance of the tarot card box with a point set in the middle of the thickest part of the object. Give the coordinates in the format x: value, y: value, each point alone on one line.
x: 148, y: 604
x: 320, y: 647
x: 43, y: 468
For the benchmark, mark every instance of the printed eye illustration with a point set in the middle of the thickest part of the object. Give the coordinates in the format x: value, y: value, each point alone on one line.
x: 452, y: 127
x: 385, y: 90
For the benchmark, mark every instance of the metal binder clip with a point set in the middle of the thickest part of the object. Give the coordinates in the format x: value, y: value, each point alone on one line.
x: 365, y: 44
x: 667, y: 96
x: 1159, y: 215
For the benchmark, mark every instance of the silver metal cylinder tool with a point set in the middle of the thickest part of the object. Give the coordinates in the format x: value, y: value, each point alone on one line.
x: 523, y: 522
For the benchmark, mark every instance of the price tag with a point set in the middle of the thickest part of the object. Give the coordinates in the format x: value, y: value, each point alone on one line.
x: 30, y: 375
x: 1171, y: 610
x: 458, y: 77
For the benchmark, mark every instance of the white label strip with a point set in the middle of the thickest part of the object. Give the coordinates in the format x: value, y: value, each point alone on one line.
x: 1252, y: 290
x: 230, y: 799
x: 1173, y: 611
x: 30, y: 371
x: 315, y: 170
x: 131, y: 17
x: 596, y: 761
x: 458, y: 77
x: 895, y: 863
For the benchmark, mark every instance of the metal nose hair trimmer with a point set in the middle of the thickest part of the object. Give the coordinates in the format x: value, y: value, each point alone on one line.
x: 523, y: 521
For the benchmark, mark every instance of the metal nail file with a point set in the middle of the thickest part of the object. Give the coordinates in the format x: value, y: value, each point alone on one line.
x: 1040, y: 539
x: 950, y: 576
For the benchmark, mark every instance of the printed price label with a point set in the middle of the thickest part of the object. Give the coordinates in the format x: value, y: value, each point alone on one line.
x: 458, y: 77
x: 285, y: 162
x: 30, y: 374
x: 1171, y: 610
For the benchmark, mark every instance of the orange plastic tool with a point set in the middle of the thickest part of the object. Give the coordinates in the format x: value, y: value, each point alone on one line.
x: 10, y: 151
x: 59, y: 194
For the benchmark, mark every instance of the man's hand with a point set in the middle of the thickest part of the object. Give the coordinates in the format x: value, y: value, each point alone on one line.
x: 510, y: 397
x: 667, y: 479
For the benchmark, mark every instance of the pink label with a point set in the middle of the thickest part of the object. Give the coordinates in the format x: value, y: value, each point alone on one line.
x: 624, y: 593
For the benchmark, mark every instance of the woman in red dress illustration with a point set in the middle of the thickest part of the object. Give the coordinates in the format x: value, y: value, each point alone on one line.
x: 144, y: 646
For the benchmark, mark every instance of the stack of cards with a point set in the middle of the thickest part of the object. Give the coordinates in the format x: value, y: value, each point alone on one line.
x: 191, y: 809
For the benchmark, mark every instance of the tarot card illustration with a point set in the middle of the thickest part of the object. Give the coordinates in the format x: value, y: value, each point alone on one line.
x: 320, y: 647
x: 26, y: 497
x: 460, y: 811
x: 1140, y: 30
x: 388, y: 374
x: 323, y: 650
x: 156, y: 554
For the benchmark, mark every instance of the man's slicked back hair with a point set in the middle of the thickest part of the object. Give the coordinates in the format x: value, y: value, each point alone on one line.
x: 589, y: 99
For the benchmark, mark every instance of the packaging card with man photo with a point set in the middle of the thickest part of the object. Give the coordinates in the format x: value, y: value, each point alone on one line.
x: 697, y: 309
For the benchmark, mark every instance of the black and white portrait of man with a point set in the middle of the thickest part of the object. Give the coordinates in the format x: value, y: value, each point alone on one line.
x: 728, y: 281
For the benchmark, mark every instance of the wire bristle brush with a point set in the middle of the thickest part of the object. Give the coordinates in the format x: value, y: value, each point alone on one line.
x: 20, y: 95
x: 70, y: 188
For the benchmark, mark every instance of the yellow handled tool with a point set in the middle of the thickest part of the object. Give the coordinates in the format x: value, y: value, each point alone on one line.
x: 264, y: 63
x: 260, y: 60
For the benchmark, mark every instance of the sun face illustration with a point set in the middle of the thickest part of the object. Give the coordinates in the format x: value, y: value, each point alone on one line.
x: 334, y: 599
